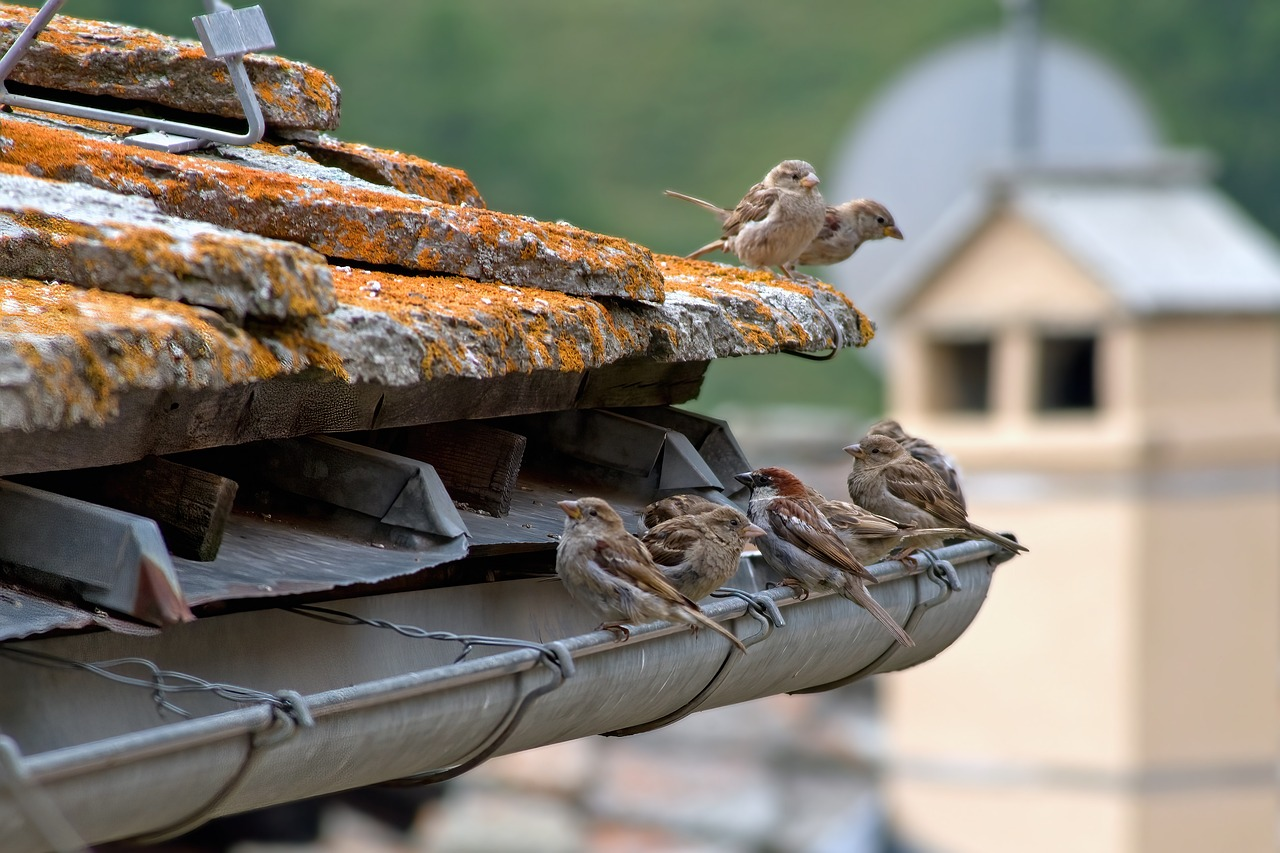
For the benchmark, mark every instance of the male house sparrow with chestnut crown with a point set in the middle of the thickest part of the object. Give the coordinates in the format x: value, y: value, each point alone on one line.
x: 775, y: 221
x: 606, y: 569
x: 846, y: 227
x: 699, y: 552
x: 924, y: 451
x: 801, y: 545
x: 885, y: 478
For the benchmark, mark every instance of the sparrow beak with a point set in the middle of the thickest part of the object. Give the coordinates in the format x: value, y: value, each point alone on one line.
x: 893, y: 231
x: 570, y: 509
x: 854, y: 450
x: 744, y: 479
x: 809, y: 181
x: 751, y: 531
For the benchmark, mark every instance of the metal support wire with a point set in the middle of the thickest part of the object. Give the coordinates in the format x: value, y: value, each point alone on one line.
x: 289, y: 712
x: 939, y: 572
x: 555, y: 656
x: 835, y: 327
x: 37, y: 806
x: 163, y: 682
x: 760, y: 607
x: 226, y: 33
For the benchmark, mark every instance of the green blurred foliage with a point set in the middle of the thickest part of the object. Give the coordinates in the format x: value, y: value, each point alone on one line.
x: 585, y: 111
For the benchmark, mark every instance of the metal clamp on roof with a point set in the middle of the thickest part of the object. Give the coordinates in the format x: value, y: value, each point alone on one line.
x: 226, y: 33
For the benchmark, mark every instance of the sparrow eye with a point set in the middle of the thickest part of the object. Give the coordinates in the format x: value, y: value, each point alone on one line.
x: 880, y: 220
x: 592, y: 512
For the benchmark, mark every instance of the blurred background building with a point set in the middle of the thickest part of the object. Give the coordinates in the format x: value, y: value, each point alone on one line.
x: 1085, y: 320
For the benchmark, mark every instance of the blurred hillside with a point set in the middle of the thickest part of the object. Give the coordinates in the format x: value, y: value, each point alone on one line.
x: 586, y: 111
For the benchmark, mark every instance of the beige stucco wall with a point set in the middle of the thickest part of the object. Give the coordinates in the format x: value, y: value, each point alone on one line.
x: 1118, y: 690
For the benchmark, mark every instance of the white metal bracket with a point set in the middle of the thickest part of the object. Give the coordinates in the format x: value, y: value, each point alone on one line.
x: 226, y: 33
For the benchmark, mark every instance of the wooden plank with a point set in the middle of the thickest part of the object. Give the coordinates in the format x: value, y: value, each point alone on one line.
x: 456, y: 398
x: 477, y: 463
x: 190, y: 506
x: 165, y: 422
x: 637, y: 382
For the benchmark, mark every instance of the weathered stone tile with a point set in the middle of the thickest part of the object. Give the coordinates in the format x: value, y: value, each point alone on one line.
x: 94, y: 238
x: 96, y: 58
x: 66, y: 353
x: 404, y: 172
x: 341, y: 216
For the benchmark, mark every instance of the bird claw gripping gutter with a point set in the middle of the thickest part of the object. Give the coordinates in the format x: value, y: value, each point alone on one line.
x: 226, y: 33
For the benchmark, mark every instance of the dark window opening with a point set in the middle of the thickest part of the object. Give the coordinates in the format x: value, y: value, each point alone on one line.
x: 1068, y: 373
x: 961, y: 376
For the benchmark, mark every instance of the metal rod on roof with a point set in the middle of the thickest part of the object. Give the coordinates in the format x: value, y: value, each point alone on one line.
x: 1023, y: 34
x: 227, y: 34
x: 38, y: 22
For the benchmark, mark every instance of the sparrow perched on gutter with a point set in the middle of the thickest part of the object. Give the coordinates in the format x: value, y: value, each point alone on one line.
x: 886, y: 479
x: 775, y: 221
x: 606, y: 569
x: 846, y: 227
x: 870, y: 536
x: 699, y: 552
x: 802, y: 546
x: 924, y: 451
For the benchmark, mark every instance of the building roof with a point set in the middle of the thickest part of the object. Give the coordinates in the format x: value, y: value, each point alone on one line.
x: 180, y: 337
x: 1157, y: 235
x: 154, y: 304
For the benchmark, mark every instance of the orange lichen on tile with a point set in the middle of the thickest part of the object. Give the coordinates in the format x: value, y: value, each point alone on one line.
x: 339, y: 220
x: 475, y: 328
x: 84, y: 348
x: 748, y: 289
x: 404, y: 172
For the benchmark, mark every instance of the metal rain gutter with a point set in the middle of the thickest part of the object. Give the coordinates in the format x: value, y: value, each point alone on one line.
x: 363, y: 708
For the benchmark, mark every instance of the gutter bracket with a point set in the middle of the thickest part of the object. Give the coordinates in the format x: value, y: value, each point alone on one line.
x: 36, y: 805
x: 759, y: 607
x: 940, y: 573
x: 556, y: 657
x: 226, y: 33
x: 288, y: 713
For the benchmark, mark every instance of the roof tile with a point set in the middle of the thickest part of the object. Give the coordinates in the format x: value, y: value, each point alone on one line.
x: 94, y: 238
x: 340, y: 215
x: 404, y: 172
x: 101, y: 59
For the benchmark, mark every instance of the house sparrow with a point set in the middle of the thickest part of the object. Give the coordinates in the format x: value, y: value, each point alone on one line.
x: 886, y: 479
x: 775, y: 221
x: 925, y: 452
x: 674, y: 507
x: 801, y: 545
x: 847, y: 227
x: 870, y: 536
x: 699, y: 553
x: 606, y: 569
